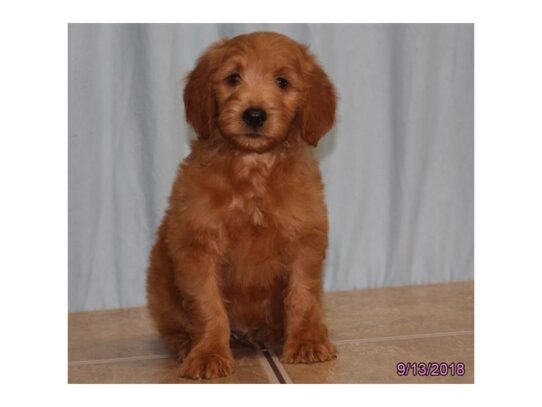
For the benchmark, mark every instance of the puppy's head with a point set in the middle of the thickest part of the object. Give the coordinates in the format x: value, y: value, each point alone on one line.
x: 257, y: 90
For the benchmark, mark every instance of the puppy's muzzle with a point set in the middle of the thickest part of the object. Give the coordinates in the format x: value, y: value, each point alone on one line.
x: 254, y: 117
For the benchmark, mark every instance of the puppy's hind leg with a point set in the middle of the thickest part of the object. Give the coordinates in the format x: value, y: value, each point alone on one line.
x: 164, y: 301
x: 177, y: 341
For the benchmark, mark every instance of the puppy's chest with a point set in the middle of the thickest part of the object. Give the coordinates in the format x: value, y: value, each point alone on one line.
x: 253, y: 202
x: 246, y: 188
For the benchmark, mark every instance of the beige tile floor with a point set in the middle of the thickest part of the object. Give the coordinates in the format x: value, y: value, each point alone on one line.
x: 373, y: 330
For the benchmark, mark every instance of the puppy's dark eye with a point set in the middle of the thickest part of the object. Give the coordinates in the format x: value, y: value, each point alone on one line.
x: 233, y: 79
x: 281, y: 82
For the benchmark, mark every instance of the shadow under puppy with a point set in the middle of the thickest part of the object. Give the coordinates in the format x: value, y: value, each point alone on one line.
x: 241, y: 245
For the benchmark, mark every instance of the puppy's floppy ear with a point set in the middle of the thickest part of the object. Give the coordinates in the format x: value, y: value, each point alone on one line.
x: 318, y: 113
x: 199, y: 103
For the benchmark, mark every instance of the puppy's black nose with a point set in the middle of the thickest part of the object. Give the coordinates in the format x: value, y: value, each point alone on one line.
x: 254, y: 117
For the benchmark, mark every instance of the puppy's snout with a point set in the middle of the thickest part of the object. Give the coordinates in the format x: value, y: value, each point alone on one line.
x: 254, y: 117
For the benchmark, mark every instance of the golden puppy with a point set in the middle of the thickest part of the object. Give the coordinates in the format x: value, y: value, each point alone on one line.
x: 241, y: 246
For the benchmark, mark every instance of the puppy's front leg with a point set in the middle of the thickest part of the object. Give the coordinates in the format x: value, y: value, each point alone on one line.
x: 210, y: 355
x: 306, y: 335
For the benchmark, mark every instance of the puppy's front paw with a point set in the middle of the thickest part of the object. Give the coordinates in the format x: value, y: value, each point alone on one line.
x: 206, y: 365
x: 308, y: 352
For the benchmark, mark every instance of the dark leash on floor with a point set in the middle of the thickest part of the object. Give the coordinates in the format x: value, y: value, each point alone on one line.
x: 270, y: 358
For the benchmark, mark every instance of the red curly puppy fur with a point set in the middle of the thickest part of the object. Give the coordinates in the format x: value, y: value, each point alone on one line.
x: 241, y: 246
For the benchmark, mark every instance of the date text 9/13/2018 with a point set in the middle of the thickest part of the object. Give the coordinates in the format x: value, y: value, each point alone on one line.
x: 430, y: 369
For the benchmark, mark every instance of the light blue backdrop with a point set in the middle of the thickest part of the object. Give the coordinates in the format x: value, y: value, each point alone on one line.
x: 398, y: 166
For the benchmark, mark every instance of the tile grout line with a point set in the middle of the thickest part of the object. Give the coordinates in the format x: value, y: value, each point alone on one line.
x: 401, y: 337
x: 272, y: 355
x: 274, y: 370
x: 118, y: 360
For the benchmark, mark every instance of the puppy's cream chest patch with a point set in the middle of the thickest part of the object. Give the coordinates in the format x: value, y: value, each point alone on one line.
x: 252, y: 189
x: 247, y: 210
x: 257, y: 217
